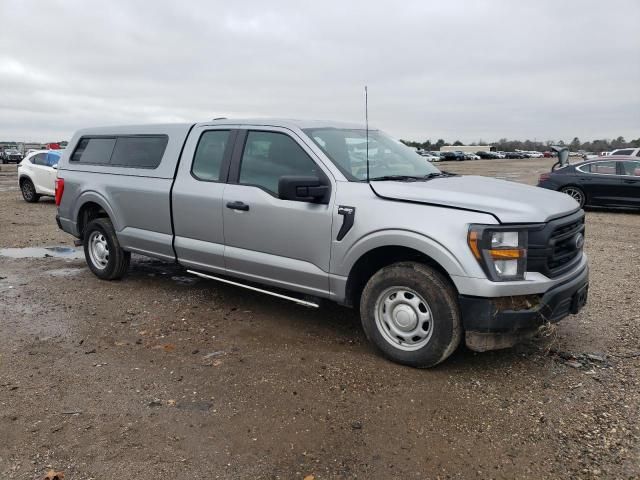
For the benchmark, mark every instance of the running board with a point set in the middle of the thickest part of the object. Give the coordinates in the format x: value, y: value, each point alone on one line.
x: 255, y: 289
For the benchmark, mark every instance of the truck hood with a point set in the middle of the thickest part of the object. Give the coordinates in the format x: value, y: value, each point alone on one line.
x: 510, y: 202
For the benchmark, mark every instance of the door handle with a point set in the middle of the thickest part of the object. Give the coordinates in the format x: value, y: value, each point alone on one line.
x: 238, y: 206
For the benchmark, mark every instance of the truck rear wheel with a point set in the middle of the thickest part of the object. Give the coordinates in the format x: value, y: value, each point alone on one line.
x: 106, y: 259
x: 410, y: 313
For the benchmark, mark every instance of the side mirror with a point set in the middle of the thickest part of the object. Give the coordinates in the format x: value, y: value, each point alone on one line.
x: 303, y: 189
x: 54, y: 166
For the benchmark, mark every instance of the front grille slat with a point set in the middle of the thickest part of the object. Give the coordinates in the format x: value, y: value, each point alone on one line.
x: 552, y: 249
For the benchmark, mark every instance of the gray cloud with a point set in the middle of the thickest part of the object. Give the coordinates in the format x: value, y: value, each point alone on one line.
x: 444, y: 69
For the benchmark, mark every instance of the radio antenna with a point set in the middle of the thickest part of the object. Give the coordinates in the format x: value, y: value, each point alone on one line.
x: 366, y: 126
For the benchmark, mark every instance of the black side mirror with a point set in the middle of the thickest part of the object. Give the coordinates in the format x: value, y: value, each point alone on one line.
x: 303, y: 189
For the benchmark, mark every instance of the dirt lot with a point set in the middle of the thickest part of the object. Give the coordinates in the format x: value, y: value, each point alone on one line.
x: 164, y: 376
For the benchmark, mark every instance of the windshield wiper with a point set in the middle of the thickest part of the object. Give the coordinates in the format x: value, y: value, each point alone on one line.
x: 399, y: 178
x: 439, y: 174
x: 413, y: 178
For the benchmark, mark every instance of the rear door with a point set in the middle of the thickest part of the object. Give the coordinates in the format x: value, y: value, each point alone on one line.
x: 43, y: 176
x: 197, y: 198
x: 630, y: 182
x: 50, y: 173
x: 269, y: 240
x: 600, y: 182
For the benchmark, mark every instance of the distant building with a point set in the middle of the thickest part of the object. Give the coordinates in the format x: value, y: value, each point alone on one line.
x: 24, y: 147
x: 467, y: 148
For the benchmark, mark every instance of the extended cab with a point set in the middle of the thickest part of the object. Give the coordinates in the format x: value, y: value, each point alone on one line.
x: 311, y: 210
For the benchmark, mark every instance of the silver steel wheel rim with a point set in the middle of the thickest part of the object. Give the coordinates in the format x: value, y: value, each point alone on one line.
x: 98, y: 250
x: 404, y: 318
x: 574, y: 193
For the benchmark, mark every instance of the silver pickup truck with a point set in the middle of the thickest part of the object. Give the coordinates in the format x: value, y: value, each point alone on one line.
x: 310, y: 210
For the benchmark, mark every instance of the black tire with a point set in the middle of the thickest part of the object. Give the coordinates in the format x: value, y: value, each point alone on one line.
x: 116, y: 261
x: 576, y: 193
x: 28, y: 190
x: 440, y: 296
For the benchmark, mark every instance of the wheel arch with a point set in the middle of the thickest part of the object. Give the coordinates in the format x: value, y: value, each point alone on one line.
x: 387, y: 247
x: 92, y: 206
x: 24, y: 177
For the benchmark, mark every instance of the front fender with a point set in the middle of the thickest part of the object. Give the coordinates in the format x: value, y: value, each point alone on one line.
x: 401, y: 238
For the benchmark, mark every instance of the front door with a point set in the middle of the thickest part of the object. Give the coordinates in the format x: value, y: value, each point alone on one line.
x: 268, y: 240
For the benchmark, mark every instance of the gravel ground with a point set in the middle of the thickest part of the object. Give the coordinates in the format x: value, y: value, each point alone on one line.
x: 165, y: 376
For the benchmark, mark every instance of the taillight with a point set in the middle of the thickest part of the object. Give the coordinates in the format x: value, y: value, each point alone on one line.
x: 59, y: 190
x: 544, y: 177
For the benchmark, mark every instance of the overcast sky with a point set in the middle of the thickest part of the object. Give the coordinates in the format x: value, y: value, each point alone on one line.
x: 452, y: 69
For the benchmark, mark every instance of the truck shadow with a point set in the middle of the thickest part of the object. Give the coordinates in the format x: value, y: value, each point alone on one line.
x: 325, y: 330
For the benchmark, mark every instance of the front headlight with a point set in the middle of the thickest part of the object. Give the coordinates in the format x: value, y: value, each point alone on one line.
x: 502, y: 252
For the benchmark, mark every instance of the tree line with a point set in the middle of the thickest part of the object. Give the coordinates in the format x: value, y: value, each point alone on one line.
x: 505, y: 145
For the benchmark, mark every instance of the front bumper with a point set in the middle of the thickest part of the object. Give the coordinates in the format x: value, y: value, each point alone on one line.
x: 508, y: 315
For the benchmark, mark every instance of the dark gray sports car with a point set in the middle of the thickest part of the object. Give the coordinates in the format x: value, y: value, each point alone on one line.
x: 612, y: 181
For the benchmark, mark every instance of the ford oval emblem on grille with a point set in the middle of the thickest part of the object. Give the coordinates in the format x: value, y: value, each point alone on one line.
x: 578, y: 241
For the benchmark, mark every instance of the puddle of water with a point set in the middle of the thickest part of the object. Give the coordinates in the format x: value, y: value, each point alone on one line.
x: 65, y: 272
x: 42, y: 252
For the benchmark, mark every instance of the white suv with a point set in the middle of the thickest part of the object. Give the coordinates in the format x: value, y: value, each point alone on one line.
x: 37, y: 174
x: 633, y: 152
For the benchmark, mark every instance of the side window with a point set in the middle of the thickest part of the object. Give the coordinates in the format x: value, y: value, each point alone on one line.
x: 39, y: 159
x: 623, y: 152
x: 94, y: 150
x: 630, y: 168
x: 139, y: 152
x: 207, y: 160
x: 268, y: 156
x: 604, y: 168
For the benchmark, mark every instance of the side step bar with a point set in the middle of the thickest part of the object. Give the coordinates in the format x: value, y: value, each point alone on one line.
x: 255, y: 289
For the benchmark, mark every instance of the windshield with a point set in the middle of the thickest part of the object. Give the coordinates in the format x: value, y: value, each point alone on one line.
x: 347, y: 148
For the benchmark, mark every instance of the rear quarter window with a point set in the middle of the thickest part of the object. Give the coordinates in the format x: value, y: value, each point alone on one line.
x: 143, y: 151
x: 139, y: 152
x: 94, y: 150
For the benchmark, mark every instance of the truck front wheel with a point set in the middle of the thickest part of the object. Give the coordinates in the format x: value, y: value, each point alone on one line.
x: 106, y: 259
x: 410, y: 313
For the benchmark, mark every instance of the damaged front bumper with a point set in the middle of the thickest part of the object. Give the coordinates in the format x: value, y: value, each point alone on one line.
x: 493, y: 323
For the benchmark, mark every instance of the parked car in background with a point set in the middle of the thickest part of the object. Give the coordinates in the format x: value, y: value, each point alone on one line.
x: 634, y: 152
x: 428, y: 156
x: 455, y: 156
x: 514, y: 155
x: 37, y: 174
x: 11, y: 155
x: 603, y: 182
x: 471, y: 156
x: 534, y: 154
x: 487, y: 155
x: 500, y: 155
x: 549, y: 154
